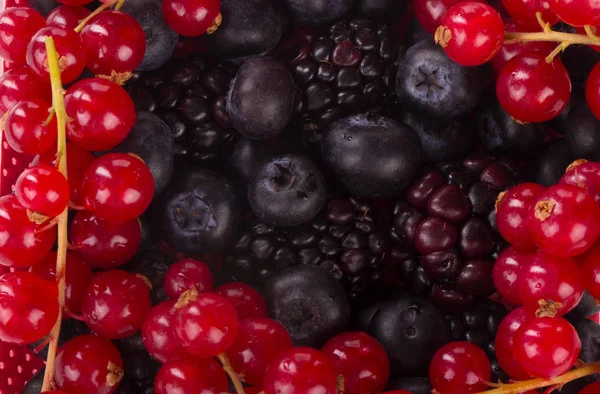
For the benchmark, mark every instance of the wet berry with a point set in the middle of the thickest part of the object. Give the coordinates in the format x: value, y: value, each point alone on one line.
x: 245, y: 299
x: 42, y: 189
x: 459, y: 367
x: 512, y: 210
x: 17, y: 26
x: 189, y: 375
x: 505, y: 342
x: 26, y: 128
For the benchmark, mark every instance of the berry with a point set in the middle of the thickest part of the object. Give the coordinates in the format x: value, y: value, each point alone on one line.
x: 25, y: 127
x: 591, y: 388
x: 191, y: 18
x: 471, y: 33
x: 507, y: 272
x: 74, y: 2
x: 188, y: 375
x: 158, y: 332
x: 258, y: 342
x: 361, y: 360
x: 113, y: 41
x: 102, y: 112
x: 592, y: 91
x: 584, y: 174
x: 563, y: 220
x: 512, y: 209
x: 67, y: 16
x: 533, y: 90
x: 541, y: 357
x: 28, y: 307
x: 577, y: 12
x: 17, y: 27
x: 524, y: 12
x: 42, y: 189
x: 430, y: 13
x: 21, y: 84
x: 505, y: 338
x: 590, y: 271
x: 185, y: 275
x: 300, y: 370
x: 459, y: 367
x: 581, y: 132
x: 316, y: 12
x: 588, y: 332
x: 88, y: 364
x: 206, y: 324
x: 248, y: 302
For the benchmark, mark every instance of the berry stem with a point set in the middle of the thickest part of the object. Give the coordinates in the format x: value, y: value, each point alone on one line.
x: 235, y: 379
x: 555, y: 36
x: 58, y: 105
x: 524, y: 386
x: 98, y: 10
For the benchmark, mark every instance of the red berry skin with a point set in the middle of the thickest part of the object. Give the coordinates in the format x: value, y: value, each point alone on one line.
x: 115, y: 304
x: 546, y: 346
x: 531, y: 90
x: 507, y: 272
x: 67, y: 16
x: 586, y: 175
x: 22, y: 245
x: 564, y: 220
x: 86, y: 365
x: 114, y: 41
x: 117, y: 187
x: 524, y: 12
x: 77, y: 277
x: 101, y: 244
x: 245, y: 299
x: 28, y: 307
x: 592, y: 90
x: 158, y: 332
x: 187, y: 274
x: 505, y: 338
x: 43, y: 189
x: 189, y: 375
x: 102, y: 111
x: 17, y: 26
x: 75, y: 2
x: 429, y: 13
x: 593, y: 388
x: 511, y: 214
x: 300, y: 370
x: 577, y: 12
x: 590, y: 271
x: 190, y: 17
x: 361, y: 360
x: 471, y: 33
x: 258, y: 342
x: 25, y: 128
x: 459, y: 368
x: 21, y: 84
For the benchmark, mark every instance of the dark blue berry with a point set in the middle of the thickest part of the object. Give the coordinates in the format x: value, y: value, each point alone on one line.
x: 552, y: 161
x: 583, y: 133
x: 587, y: 307
x: 390, y: 10
x: 318, y: 12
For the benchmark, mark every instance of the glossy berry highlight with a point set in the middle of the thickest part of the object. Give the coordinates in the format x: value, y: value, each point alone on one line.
x: 27, y: 129
x: 191, y: 18
x: 42, y: 189
x: 459, y: 367
x: 512, y: 209
x: 188, y: 375
x: 186, y: 274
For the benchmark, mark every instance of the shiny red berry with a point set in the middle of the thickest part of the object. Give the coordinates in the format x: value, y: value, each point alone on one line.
x: 577, y: 12
x: 25, y: 127
x: 246, y: 300
x: 512, y: 209
x: 158, y: 332
x: 507, y: 271
x: 471, y: 33
x: 43, y: 189
x: 28, y: 307
x: 592, y: 90
x: 564, y: 220
x: 189, y: 375
x: 68, y: 16
x: 524, y: 12
x: 75, y: 2
x: 190, y: 17
x: 429, y: 13
x: 586, y: 175
x: 504, y: 343
x: 592, y: 388
x: 590, y: 271
x: 546, y: 346
x: 17, y: 26
x: 21, y: 84
x: 533, y: 90
x: 459, y: 367
x: 187, y: 274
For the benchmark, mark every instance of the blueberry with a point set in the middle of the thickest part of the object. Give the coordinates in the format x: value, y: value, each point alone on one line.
x: 260, y: 107
x: 309, y: 302
x: 372, y: 155
x: 160, y: 39
x: 415, y: 385
x: 44, y: 7
x: 34, y: 384
x: 415, y: 33
x: 318, y: 12
x: 431, y: 85
x: 287, y: 190
x: 587, y: 307
x: 550, y: 165
x: 153, y: 266
x: 199, y: 212
x: 579, y: 61
x: 250, y: 27
x: 127, y: 386
x: 589, y: 334
x: 583, y: 133
x: 390, y: 10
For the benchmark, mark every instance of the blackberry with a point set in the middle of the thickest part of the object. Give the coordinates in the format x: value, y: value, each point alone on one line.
x: 189, y: 96
x: 345, y: 238
x: 346, y: 69
x: 444, y: 241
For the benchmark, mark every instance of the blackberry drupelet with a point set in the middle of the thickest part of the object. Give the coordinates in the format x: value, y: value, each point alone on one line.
x: 347, y: 69
x: 189, y: 96
x: 345, y: 238
x: 444, y: 241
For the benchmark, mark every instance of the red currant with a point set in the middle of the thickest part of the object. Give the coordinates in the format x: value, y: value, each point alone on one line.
x: 592, y: 90
x: 586, y: 175
x: 75, y: 2
x: 158, y: 333
x: 471, y: 33
x: 524, y: 12
x: 22, y: 244
x: 592, y: 388
x: 511, y: 214
x: 507, y: 271
x: 533, y: 90
x: 115, y: 303
x: 68, y: 47
x: 300, y: 370
x: 25, y: 127
x: 101, y: 244
x: 17, y: 26
x: 459, y: 367
x: 28, y: 307
x: 187, y: 274
x: 103, y: 114
x: 505, y: 338
x: 43, y: 189
x: 188, y: 375
x: 577, y: 12
x: 88, y: 364
x: 77, y: 276
x: 361, y: 360
x: 398, y: 392
x: 21, y: 84
x: 190, y: 17
x: 546, y: 346
x: 429, y: 13
x: 564, y: 220
x: 67, y: 16
x: 245, y: 299
x: 114, y: 41
x: 206, y: 323
x: 590, y: 271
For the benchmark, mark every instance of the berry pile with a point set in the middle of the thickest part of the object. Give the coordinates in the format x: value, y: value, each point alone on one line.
x: 299, y: 197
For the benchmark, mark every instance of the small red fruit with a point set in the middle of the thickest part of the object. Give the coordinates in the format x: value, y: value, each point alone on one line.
x: 186, y: 274
x: 17, y: 26
x: 524, y: 12
x: 189, y: 375
x: 25, y: 127
x: 505, y: 338
x: 586, y: 175
x: 460, y: 367
x: 507, y: 272
x: 577, y: 12
x: 592, y: 90
x: 246, y: 300
x: 191, y: 17
x: 43, y: 189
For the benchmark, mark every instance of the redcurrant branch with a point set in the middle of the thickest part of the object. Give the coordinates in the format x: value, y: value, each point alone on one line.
x: 103, y: 7
x: 58, y: 104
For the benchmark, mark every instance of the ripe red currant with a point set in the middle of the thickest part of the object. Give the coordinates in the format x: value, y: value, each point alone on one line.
x: 43, y: 189
x: 429, y: 13
x: 67, y: 16
x: 189, y: 375
x: 592, y: 388
x: 564, y: 220
x: 512, y: 209
x: 21, y: 84
x: 17, y: 26
x: 577, y: 12
x: 524, y: 12
x: 75, y: 2
x: 471, y: 33
x: 189, y: 17
x: 505, y: 337
x: 187, y: 274
x: 25, y: 127
x: 28, y: 307
x: 546, y: 346
x: 590, y: 271
x: 507, y: 272
x: 532, y: 90
x: 246, y: 300
x: 158, y: 332
x: 592, y: 90
x: 586, y: 175
x: 459, y: 367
